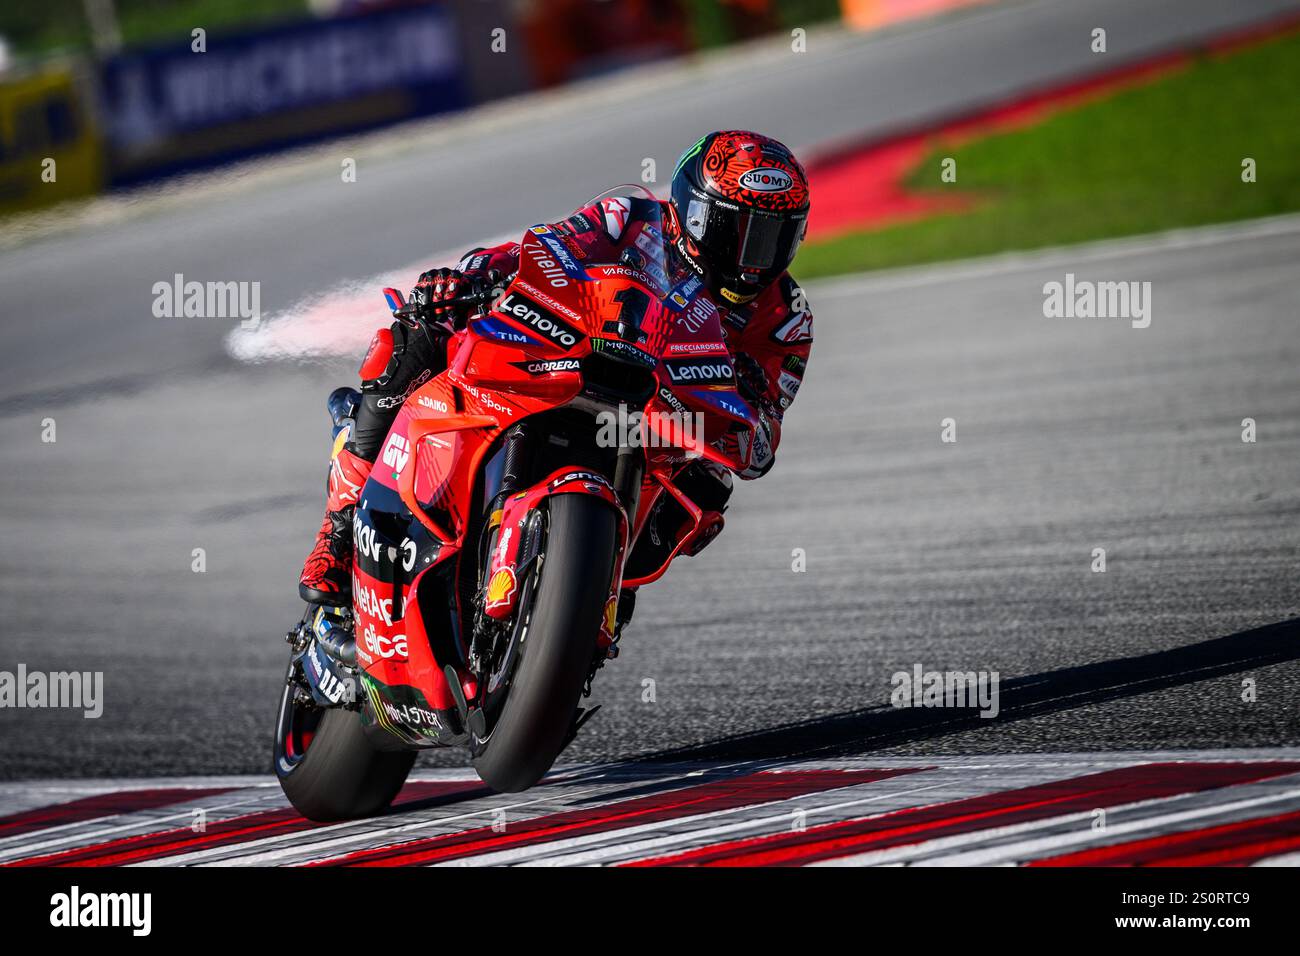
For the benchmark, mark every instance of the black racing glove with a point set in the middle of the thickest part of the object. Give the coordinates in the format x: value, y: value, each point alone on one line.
x: 752, y: 382
x: 438, y: 286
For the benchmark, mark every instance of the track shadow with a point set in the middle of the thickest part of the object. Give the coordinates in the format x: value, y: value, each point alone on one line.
x: 873, y: 728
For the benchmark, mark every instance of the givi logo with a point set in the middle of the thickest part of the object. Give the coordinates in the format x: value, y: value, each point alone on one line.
x: 396, y: 452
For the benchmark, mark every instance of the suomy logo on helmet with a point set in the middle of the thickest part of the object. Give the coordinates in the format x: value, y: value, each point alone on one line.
x: 766, y: 179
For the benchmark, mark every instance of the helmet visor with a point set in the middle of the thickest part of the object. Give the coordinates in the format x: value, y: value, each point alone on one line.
x: 746, y: 240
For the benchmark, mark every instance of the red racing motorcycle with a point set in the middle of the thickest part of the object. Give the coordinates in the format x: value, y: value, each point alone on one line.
x: 492, y: 536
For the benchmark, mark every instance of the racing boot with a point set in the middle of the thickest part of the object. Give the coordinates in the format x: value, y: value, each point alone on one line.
x: 327, y: 575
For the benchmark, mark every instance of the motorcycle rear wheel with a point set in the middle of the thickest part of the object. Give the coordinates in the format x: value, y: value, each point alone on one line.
x: 558, y: 646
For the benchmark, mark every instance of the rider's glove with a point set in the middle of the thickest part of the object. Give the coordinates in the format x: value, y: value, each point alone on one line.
x: 442, y: 285
x: 433, y: 288
x: 752, y: 381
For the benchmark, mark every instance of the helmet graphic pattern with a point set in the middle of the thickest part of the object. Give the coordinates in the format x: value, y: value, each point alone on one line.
x: 755, y: 171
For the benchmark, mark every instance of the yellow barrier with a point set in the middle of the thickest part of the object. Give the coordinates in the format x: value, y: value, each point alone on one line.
x: 49, y: 147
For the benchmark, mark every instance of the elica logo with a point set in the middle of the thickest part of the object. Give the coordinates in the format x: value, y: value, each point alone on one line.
x: 700, y: 371
x: 766, y: 179
x: 535, y: 316
x: 75, y: 908
x: 385, y: 647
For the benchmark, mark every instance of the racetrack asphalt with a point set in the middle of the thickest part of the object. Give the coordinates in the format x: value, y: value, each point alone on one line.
x: 1071, y: 435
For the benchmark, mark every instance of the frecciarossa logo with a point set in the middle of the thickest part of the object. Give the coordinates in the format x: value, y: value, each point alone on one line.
x: 540, y: 319
x: 700, y: 371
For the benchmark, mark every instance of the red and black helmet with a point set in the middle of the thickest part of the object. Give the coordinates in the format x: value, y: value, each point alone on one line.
x: 742, y: 199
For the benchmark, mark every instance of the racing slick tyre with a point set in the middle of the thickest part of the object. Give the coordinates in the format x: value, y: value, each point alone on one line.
x: 558, y: 646
x: 327, y: 767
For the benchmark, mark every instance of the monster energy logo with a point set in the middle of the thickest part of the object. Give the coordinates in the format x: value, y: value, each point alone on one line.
x: 688, y: 154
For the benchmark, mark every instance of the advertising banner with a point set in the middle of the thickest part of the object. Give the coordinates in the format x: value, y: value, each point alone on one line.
x: 200, y: 103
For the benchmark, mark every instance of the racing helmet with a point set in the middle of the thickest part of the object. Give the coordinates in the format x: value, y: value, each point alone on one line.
x: 741, y: 199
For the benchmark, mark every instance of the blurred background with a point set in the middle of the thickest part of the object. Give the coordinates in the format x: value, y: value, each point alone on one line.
x: 112, y: 86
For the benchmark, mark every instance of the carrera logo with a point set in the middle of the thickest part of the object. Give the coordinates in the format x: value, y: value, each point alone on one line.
x: 671, y: 400
x: 766, y: 179
x: 700, y: 372
x: 540, y: 319
x: 543, y: 368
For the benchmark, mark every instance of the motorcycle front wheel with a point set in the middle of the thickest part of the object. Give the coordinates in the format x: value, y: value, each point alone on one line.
x: 558, y: 645
x: 328, y: 768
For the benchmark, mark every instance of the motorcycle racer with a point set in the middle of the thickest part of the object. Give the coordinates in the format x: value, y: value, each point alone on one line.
x: 738, y: 211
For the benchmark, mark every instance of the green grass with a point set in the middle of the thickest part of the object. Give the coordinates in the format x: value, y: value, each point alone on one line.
x: 1160, y: 156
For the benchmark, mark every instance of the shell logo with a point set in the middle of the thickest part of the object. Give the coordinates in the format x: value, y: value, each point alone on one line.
x: 611, y: 617
x: 501, y: 588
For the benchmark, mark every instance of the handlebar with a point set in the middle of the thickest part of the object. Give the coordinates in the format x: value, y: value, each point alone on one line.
x: 477, y: 298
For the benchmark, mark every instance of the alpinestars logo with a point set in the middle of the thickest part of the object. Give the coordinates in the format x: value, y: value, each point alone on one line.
x: 540, y: 319
x: 796, y: 329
